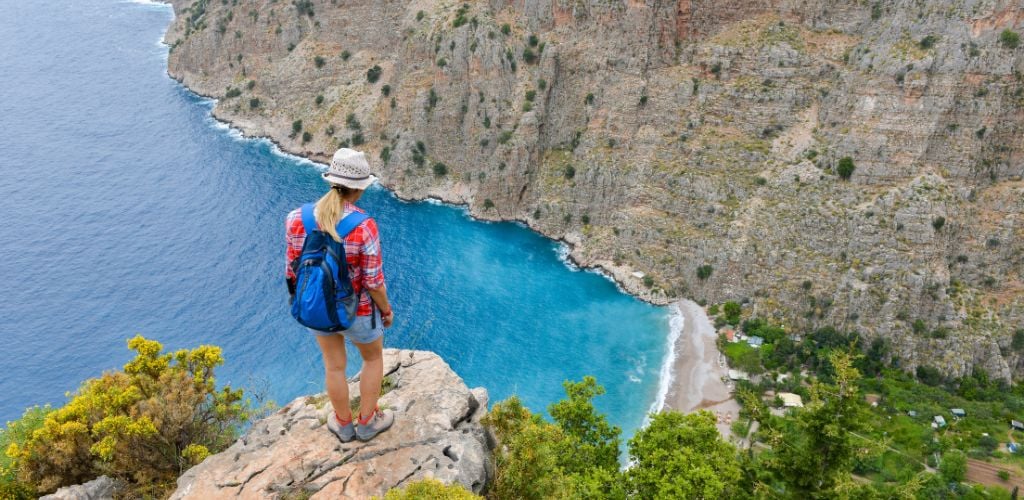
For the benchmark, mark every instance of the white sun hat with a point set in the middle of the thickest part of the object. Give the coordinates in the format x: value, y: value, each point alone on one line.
x: 349, y: 168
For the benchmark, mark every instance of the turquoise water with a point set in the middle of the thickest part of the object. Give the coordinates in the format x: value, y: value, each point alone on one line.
x: 127, y: 209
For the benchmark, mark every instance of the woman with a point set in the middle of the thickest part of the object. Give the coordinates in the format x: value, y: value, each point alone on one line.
x: 349, y: 175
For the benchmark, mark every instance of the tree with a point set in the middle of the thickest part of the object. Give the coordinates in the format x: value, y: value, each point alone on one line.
x: 845, y: 168
x: 682, y: 456
x: 953, y: 466
x: 145, y: 424
x: 814, y: 459
x: 732, y: 312
x: 440, y: 169
x: 591, y: 442
x: 1018, y: 340
x: 526, y: 458
x: 704, y: 272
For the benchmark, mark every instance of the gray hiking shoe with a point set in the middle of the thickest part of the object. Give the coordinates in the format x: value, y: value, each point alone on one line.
x: 379, y: 422
x: 345, y: 433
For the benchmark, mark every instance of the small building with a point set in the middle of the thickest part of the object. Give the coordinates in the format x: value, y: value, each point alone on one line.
x: 738, y: 375
x: 730, y: 335
x: 958, y: 412
x: 790, y: 400
x: 872, y: 399
x: 1017, y: 425
x: 912, y: 413
x: 639, y: 275
x: 938, y: 421
x: 1012, y: 447
x: 755, y: 341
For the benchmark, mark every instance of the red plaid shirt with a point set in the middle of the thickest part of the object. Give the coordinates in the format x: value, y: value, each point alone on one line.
x: 362, y: 251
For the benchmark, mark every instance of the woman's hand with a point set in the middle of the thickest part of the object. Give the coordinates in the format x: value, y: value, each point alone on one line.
x: 389, y: 319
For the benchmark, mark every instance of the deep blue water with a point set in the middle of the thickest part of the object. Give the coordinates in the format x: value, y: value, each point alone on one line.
x: 127, y: 209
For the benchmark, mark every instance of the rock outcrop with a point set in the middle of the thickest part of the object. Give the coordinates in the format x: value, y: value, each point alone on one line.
x: 291, y: 454
x: 695, y: 141
x: 101, y: 488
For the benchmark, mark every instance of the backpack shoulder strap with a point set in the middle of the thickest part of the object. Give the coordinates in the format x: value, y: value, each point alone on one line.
x: 309, y: 219
x: 350, y: 222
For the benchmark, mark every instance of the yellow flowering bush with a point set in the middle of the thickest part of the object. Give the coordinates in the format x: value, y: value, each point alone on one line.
x: 144, y: 425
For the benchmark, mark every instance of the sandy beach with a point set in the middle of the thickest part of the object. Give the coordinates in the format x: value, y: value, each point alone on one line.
x: 699, y: 373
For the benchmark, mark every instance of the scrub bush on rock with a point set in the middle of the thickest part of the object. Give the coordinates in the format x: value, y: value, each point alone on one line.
x: 144, y: 425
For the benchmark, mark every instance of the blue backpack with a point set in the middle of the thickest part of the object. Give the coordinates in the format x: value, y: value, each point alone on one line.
x: 323, y: 291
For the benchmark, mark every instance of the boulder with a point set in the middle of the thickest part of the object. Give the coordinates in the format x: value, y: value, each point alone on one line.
x: 437, y: 433
x: 101, y: 488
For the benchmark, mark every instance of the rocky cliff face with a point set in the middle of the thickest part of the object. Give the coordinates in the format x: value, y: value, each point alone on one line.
x: 291, y: 454
x: 665, y: 136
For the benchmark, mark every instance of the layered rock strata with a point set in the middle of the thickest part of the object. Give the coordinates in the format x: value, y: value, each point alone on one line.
x: 696, y: 142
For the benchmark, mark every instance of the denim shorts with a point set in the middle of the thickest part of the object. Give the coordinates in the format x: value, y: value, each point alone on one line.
x: 361, y: 332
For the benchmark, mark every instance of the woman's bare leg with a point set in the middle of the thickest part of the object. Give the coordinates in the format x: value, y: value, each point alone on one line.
x: 333, y: 349
x: 371, y: 376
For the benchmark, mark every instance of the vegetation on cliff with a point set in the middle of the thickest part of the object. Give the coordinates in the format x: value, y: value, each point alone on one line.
x: 143, y: 426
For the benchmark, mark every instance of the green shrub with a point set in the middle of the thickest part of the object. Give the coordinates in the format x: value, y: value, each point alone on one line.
x: 732, y: 312
x: 531, y: 95
x: 919, y: 327
x: 319, y: 99
x: 1009, y: 38
x: 432, y: 99
x: 352, y: 122
x: 506, y: 29
x: 529, y: 56
x: 938, y: 222
x: 953, y: 466
x: 303, y: 7
x: 442, y: 62
x: 504, y: 137
x: 1018, y: 340
x: 488, y: 203
x: 440, y: 169
x: 419, y: 15
x: 296, y: 127
x: 1004, y: 475
x: 385, y: 154
x: 14, y: 437
x: 589, y: 99
x: 254, y: 103
x: 876, y: 11
x: 373, y: 74
x: 357, y: 139
x: 929, y: 375
x: 704, y: 271
x: 430, y: 489
x: 760, y: 181
x: 145, y: 424
x: 927, y: 42
x: 532, y: 40
x: 542, y: 84
x: 713, y: 310
x: 319, y: 61
x: 682, y: 456
x: 643, y: 100
x: 329, y: 131
x: 385, y: 90
x: 845, y: 168
x: 306, y: 137
x: 648, y: 281
x: 460, y: 16
x: 345, y: 55
x: 570, y: 172
x: 527, y: 107
x: 251, y: 85
x: 232, y: 93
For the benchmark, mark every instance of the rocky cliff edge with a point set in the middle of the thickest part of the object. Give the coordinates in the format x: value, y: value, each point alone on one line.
x: 437, y: 433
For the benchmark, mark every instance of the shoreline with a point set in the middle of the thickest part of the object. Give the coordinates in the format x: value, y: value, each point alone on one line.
x: 698, y: 373
x: 679, y: 380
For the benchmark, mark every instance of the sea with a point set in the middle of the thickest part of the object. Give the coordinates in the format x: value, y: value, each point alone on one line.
x: 127, y: 209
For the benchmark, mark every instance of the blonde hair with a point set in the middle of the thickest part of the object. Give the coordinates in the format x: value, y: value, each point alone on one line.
x: 330, y: 208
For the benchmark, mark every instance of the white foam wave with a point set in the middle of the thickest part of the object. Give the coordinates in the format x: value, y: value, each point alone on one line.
x: 666, y: 376
x: 563, y: 251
